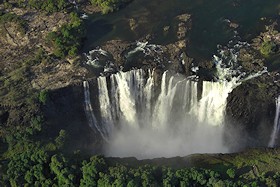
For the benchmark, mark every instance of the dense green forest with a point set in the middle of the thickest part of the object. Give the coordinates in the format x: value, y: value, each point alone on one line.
x: 30, y: 161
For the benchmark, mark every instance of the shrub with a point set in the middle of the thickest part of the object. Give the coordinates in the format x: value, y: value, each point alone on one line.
x: 267, y: 48
x: 43, y: 96
x: 231, y: 173
x: 67, y: 40
x: 48, y: 5
x: 109, y: 5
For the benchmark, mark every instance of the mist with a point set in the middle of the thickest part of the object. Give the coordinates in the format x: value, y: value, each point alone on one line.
x: 188, y: 138
x: 144, y: 119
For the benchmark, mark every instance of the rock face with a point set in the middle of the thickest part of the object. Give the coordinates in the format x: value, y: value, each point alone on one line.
x: 183, y: 27
x: 251, y: 106
x: 65, y: 110
x: 251, y: 110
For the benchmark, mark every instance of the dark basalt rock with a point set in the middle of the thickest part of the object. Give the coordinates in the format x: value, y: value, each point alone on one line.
x: 65, y: 110
x: 251, y: 110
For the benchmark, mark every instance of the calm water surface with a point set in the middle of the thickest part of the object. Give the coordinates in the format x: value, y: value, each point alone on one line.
x: 209, y: 26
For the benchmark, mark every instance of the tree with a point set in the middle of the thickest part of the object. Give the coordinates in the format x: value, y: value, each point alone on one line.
x: 231, y: 173
x: 64, y: 175
x: 43, y: 96
x: 90, y: 171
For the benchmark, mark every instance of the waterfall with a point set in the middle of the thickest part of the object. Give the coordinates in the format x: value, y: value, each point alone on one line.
x: 130, y: 99
x: 147, y: 120
x: 147, y: 115
x: 274, y: 134
x: 89, y: 111
x: 144, y: 118
x: 105, y: 108
x: 125, y: 97
x: 213, y: 101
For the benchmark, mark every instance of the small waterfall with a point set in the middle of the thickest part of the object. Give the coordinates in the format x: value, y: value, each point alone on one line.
x: 105, y: 108
x: 126, y: 97
x: 213, y: 102
x: 89, y: 111
x: 275, y: 131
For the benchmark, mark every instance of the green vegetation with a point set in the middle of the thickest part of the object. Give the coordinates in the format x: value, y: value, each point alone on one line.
x: 109, y: 5
x: 43, y: 96
x: 49, y: 5
x: 9, y: 18
x: 231, y: 173
x: 67, y: 40
x: 33, y: 164
x: 267, y: 48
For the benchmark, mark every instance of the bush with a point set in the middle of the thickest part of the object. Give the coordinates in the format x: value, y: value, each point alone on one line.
x: 267, y: 48
x: 43, y: 96
x: 109, y: 5
x: 48, y: 5
x: 231, y: 173
x: 67, y: 40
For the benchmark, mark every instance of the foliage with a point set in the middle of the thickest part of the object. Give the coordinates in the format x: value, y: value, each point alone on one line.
x: 48, y: 5
x: 13, y: 18
x: 91, y: 171
x: 267, y: 48
x: 231, y: 173
x: 109, y: 5
x: 30, y: 164
x: 67, y: 41
x: 43, y: 96
x: 63, y: 174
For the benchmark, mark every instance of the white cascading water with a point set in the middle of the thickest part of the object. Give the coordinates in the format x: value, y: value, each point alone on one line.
x: 145, y: 48
x: 105, y: 108
x: 142, y: 119
x: 275, y: 131
x: 170, y: 123
x: 89, y: 112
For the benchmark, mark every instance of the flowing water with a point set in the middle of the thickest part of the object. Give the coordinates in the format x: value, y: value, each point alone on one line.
x: 210, y: 22
x: 168, y: 123
x: 274, y: 134
x: 144, y: 118
x: 175, y: 116
x: 90, y: 114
